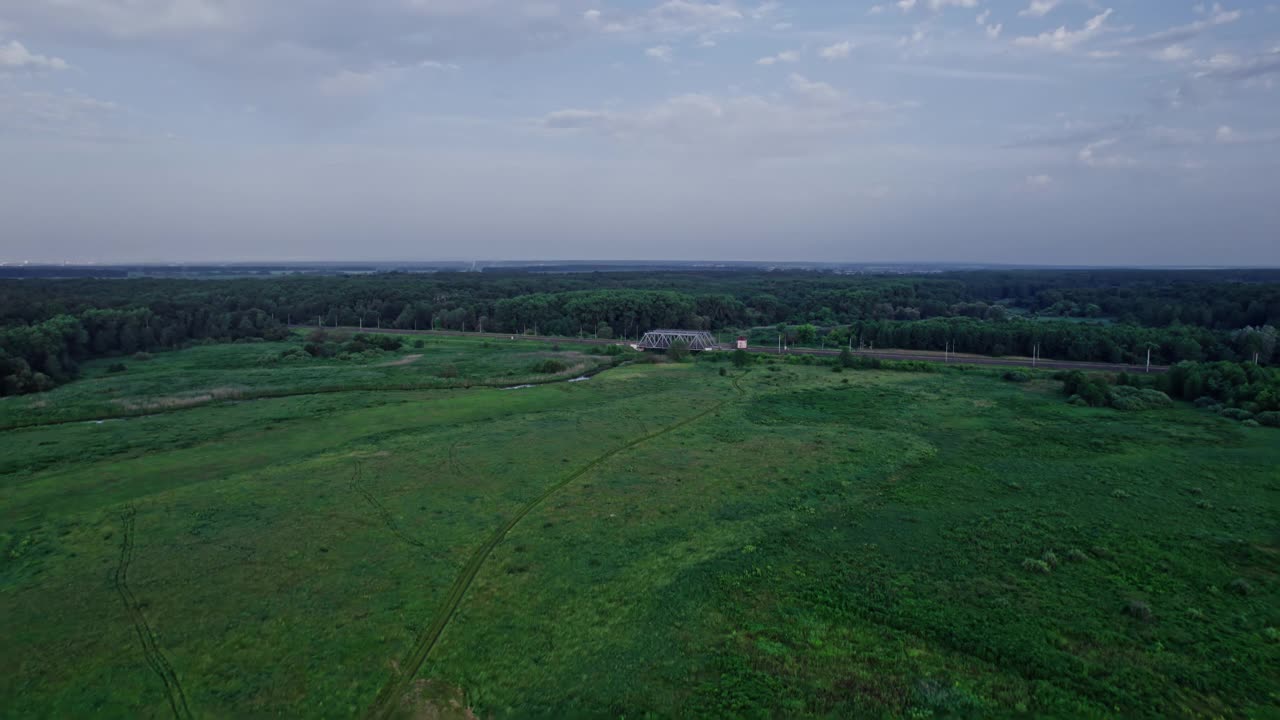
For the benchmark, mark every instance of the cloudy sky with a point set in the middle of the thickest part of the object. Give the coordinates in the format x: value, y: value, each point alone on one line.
x: 1026, y: 131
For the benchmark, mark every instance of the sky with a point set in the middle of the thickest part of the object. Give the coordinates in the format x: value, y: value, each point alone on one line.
x: 1098, y: 132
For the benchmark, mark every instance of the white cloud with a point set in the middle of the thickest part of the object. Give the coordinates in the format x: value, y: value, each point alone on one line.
x: 128, y: 18
x: 1217, y: 16
x: 1039, y: 181
x: 1172, y: 53
x: 934, y: 5
x: 993, y: 31
x: 1062, y: 39
x: 807, y: 119
x: 661, y: 53
x: 64, y: 114
x: 1228, y: 67
x: 348, y: 83
x: 787, y: 56
x: 811, y: 90
x: 1089, y: 155
x: 15, y: 56
x: 837, y: 51
x: 1226, y: 135
x: 1039, y: 8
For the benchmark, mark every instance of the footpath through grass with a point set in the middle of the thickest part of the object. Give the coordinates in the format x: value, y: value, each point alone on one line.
x: 857, y: 544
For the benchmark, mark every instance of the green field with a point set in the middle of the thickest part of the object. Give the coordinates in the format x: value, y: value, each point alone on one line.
x: 347, y: 538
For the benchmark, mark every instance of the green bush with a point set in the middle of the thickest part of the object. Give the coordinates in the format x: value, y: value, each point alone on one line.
x: 1138, y: 610
x: 448, y: 371
x: 550, y: 366
x: 142, y: 356
x: 116, y: 368
x: 419, y: 344
x: 1240, y: 586
x: 1270, y: 419
x: 1236, y: 414
x: 1039, y: 567
x: 1127, y: 397
x: 1016, y: 376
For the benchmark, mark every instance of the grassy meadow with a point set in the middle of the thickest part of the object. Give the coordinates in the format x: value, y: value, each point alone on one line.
x: 359, y: 538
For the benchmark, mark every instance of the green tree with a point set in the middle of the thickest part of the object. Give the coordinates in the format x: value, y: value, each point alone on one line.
x: 679, y: 351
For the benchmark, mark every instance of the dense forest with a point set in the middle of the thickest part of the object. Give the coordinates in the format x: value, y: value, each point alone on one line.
x: 47, y: 327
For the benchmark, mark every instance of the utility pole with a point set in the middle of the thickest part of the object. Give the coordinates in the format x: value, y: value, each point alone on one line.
x: 1148, y: 358
x: 779, y: 343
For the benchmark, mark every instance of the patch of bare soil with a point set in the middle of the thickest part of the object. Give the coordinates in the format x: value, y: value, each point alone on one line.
x: 434, y: 700
x: 402, y: 361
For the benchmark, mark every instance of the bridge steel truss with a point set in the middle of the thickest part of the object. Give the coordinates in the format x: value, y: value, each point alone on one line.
x: 662, y: 339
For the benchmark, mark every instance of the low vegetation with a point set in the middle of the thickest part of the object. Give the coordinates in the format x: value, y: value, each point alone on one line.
x: 733, y: 537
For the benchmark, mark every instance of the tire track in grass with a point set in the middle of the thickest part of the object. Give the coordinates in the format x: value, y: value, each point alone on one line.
x: 381, y: 510
x: 387, y: 700
x: 155, y: 658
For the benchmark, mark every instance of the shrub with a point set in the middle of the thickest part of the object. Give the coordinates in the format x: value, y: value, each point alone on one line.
x: 1050, y: 558
x: 448, y: 371
x: 555, y: 347
x: 1251, y: 423
x: 1127, y: 397
x: 679, y: 351
x: 1236, y: 414
x: 1205, y: 401
x: 837, y: 369
x: 142, y: 356
x: 1270, y: 419
x: 116, y: 368
x: 1036, y: 566
x: 419, y: 344
x: 1016, y: 376
x: 1240, y: 586
x: 1077, y: 555
x: 1138, y: 610
x: 723, y: 372
x: 549, y: 366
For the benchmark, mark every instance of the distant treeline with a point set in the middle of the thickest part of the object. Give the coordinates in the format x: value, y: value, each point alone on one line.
x: 47, y: 327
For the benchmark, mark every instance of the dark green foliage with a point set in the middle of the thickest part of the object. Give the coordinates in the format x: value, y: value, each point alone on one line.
x: 1236, y: 414
x: 1138, y: 610
x: 723, y: 372
x: 448, y: 371
x: 1016, y: 376
x: 550, y: 366
x: 1240, y: 586
x: 47, y: 327
x: 1127, y: 397
x: 679, y: 351
x: 1232, y: 384
x: 116, y: 368
x: 419, y: 344
x: 741, y: 358
x: 1270, y: 419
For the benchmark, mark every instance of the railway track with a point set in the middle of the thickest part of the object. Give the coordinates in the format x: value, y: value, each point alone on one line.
x: 882, y: 355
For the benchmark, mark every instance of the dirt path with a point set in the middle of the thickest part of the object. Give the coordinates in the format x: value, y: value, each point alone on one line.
x: 388, y: 699
x: 407, y: 359
x: 156, y: 659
